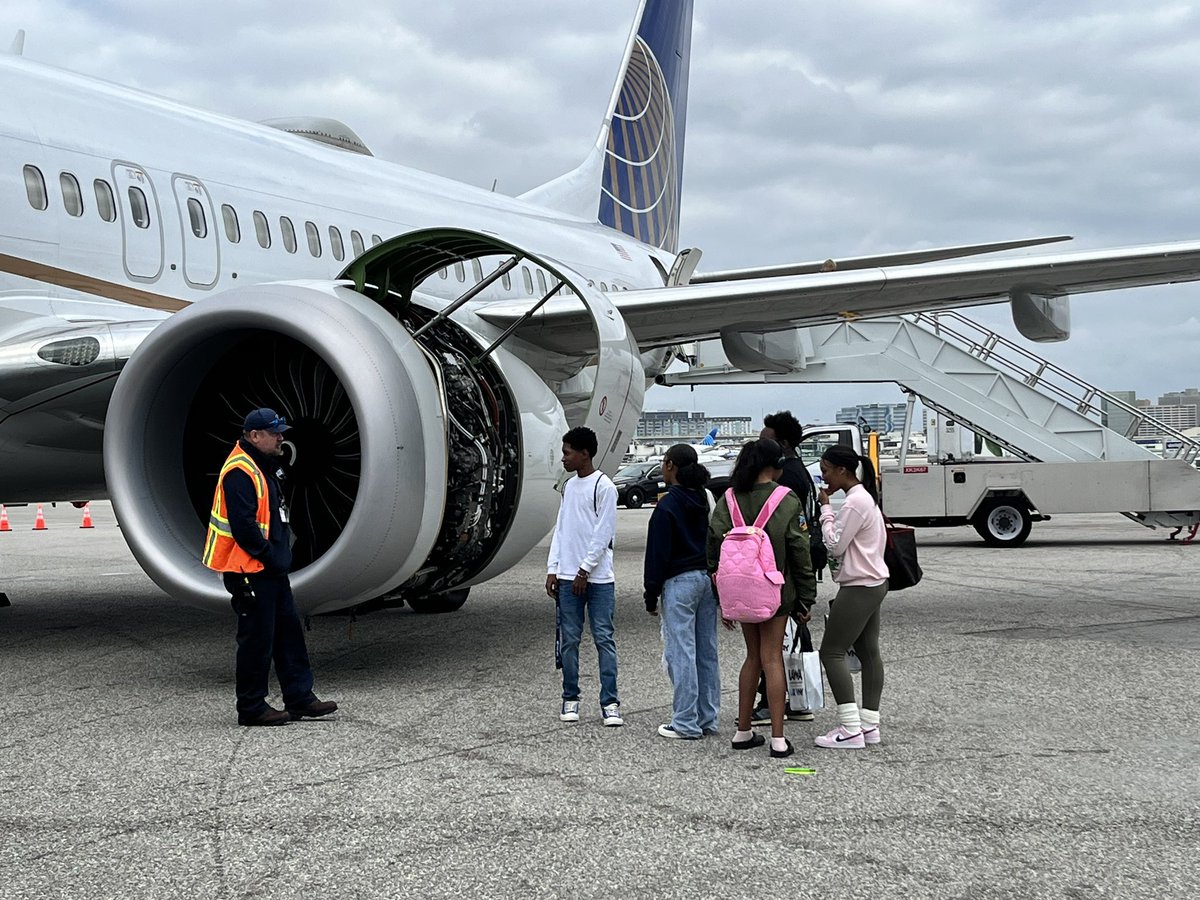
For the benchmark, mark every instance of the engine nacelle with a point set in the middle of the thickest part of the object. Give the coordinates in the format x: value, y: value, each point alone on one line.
x: 411, y: 464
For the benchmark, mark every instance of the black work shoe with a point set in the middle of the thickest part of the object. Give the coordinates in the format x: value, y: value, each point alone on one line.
x: 313, y: 710
x: 268, y: 716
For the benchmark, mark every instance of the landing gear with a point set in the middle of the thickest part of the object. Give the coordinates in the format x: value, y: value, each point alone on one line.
x: 1003, y: 523
x: 430, y: 604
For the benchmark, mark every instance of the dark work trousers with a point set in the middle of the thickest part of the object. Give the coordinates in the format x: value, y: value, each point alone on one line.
x: 271, y: 630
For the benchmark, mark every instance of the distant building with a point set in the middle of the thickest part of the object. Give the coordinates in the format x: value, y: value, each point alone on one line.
x: 881, y: 417
x: 1114, y: 417
x: 690, y: 426
x: 1177, y: 416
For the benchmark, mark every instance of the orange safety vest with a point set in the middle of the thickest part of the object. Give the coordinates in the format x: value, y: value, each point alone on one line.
x: 221, y: 551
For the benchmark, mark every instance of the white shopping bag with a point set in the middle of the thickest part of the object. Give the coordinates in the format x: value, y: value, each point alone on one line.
x: 805, y: 681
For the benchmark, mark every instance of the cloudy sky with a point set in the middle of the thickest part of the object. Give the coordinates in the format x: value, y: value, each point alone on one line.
x: 814, y: 130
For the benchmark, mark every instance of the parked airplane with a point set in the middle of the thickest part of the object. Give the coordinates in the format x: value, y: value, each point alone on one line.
x: 435, y: 339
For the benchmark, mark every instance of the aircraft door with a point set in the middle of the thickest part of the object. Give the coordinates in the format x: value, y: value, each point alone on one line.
x: 141, y: 224
x: 198, y: 228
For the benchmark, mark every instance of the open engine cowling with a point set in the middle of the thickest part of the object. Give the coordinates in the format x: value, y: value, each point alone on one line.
x: 406, y: 465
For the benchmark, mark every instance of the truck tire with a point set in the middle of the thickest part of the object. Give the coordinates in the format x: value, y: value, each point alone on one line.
x: 1002, y: 522
x: 634, y: 499
x: 432, y: 604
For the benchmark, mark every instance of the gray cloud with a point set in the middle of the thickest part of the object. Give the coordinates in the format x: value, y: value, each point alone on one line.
x: 813, y: 131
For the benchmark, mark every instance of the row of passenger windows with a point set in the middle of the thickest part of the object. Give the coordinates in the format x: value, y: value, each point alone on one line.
x: 139, y: 208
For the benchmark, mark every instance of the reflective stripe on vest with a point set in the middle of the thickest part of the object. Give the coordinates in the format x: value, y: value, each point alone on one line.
x: 221, y: 551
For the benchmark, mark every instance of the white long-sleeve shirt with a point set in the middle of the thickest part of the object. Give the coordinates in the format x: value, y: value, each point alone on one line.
x: 584, y: 532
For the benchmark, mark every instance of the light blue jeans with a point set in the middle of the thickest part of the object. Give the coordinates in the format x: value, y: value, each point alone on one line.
x: 596, y: 604
x: 689, y: 629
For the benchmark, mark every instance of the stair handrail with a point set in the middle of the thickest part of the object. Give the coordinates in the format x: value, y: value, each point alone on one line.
x: 1189, y: 448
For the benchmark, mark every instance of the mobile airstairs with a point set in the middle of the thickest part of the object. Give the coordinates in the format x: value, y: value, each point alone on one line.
x: 1038, y: 411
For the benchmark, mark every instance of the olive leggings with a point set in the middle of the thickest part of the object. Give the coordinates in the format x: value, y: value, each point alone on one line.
x: 854, y: 621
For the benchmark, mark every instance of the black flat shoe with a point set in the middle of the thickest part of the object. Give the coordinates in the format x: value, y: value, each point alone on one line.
x: 783, y: 754
x: 756, y: 741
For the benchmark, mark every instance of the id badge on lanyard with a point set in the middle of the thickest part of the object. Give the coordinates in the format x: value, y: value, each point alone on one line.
x: 283, y: 512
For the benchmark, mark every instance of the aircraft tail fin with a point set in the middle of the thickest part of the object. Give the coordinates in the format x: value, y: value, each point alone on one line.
x: 632, y: 180
x: 711, y: 438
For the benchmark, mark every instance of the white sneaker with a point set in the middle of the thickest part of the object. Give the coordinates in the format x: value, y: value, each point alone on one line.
x: 611, y: 714
x: 871, y: 734
x: 841, y: 739
x: 570, y: 711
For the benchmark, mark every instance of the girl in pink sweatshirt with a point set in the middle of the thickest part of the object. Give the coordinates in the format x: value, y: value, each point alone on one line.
x: 855, y: 538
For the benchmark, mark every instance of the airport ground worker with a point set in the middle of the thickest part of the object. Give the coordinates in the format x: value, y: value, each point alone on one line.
x: 676, y: 570
x: 249, y: 542
x: 579, y: 574
x: 855, y: 538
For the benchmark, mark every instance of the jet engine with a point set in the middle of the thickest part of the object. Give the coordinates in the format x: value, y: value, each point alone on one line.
x: 414, y: 465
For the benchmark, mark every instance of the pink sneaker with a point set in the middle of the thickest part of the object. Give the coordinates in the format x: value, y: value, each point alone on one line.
x: 870, y: 734
x: 841, y: 739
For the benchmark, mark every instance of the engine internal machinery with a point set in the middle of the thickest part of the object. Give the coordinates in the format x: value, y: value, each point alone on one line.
x: 404, y: 469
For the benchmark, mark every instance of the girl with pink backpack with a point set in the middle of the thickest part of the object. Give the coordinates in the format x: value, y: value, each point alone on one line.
x: 752, y: 564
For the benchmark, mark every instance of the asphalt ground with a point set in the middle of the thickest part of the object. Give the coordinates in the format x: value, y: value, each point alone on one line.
x: 1040, y: 740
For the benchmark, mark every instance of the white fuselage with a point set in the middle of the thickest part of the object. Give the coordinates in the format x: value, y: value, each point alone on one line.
x: 210, y: 183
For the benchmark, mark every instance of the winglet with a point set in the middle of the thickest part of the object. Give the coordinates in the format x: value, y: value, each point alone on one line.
x: 18, y: 44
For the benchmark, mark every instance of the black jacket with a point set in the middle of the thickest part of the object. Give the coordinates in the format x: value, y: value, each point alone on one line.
x: 675, y: 539
x: 241, y: 503
x: 795, y: 477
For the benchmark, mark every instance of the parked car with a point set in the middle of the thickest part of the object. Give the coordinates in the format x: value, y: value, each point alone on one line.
x: 638, y: 483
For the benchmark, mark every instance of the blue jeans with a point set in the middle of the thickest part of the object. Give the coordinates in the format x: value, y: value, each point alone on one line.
x: 689, y: 630
x: 596, y: 604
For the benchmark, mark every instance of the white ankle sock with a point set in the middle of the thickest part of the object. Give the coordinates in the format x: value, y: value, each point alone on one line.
x: 869, y: 717
x: 778, y: 743
x: 743, y: 736
x: 847, y: 714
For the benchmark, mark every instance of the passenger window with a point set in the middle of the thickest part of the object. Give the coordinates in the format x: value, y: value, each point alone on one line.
x: 314, y: 238
x: 72, y: 196
x: 106, y: 204
x: 233, y: 231
x: 376, y: 240
x: 336, y: 247
x: 35, y: 188
x: 528, y: 279
x: 477, y: 270
x: 506, y: 280
x: 604, y: 287
x: 459, y: 272
x: 289, y: 234
x: 196, y: 215
x: 541, y: 276
x: 356, y: 243
x: 139, y: 209
x: 443, y: 273
x: 262, y: 229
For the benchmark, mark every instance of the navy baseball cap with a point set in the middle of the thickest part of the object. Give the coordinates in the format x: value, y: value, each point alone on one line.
x: 265, y: 419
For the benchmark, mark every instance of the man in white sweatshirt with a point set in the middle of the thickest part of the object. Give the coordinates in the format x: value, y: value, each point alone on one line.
x: 579, y: 573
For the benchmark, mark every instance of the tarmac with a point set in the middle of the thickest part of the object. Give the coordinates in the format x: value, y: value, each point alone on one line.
x: 1040, y: 740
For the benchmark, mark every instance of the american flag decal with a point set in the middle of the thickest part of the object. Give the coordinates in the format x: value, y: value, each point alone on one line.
x: 623, y: 253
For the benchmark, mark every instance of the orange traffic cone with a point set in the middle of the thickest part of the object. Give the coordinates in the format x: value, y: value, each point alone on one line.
x: 87, y: 516
x: 4, y: 526
x: 39, y: 524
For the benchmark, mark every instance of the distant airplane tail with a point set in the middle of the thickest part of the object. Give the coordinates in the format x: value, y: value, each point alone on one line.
x: 711, y: 438
x: 633, y: 179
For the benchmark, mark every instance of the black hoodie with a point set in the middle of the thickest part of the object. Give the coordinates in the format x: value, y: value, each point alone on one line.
x: 675, y: 540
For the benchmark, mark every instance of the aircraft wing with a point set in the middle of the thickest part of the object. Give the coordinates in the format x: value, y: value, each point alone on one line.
x: 663, y: 316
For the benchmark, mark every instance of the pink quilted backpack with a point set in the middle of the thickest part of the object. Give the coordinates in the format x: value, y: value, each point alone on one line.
x: 749, y: 585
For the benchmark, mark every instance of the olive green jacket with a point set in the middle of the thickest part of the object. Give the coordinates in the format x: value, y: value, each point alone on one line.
x: 789, y: 540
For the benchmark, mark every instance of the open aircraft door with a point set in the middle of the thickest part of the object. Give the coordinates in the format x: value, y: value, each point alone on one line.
x: 201, y: 255
x: 141, y: 223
